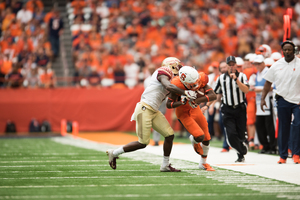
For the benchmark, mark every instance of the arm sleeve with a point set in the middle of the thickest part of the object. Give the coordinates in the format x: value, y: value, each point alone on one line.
x: 217, y: 88
x: 270, y: 75
x: 245, y: 80
x: 165, y: 71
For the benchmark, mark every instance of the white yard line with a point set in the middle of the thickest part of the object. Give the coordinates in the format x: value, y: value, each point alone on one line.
x: 132, y: 196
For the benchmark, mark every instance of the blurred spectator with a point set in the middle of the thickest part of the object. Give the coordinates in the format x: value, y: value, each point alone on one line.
x: 8, y: 19
x: 34, y: 126
x: 28, y: 65
x: 6, y: 64
x: 15, y: 28
x: 14, y: 79
x: 42, y: 60
x: 24, y: 15
x: 32, y: 5
x: 94, y: 78
x: 55, y: 31
x: 16, y: 5
x: 265, y: 127
x: 131, y: 72
x: 119, y: 73
x: 32, y: 79
x: 39, y: 15
x: 47, y: 78
x: 24, y: 54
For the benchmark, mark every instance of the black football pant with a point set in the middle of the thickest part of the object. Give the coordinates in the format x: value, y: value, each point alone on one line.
x: 234, y: 120
x: 265, y: 128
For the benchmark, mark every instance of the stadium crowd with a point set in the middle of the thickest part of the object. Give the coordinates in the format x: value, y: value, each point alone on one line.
x: 26, y: 54
x: 114, y: 41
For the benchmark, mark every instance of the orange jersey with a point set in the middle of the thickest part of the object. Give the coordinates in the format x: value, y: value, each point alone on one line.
x: 192, y: 118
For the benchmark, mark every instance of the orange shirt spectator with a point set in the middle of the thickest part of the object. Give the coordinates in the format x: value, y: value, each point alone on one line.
x: 31, y: 4
x: 20, y: 43
x: 9, y: 17
x: 95, y: 40
x: 48, y: 16
x: 6, y: 66
x: 2, y: 5
x: 15, y: 29
x: 47, y: 79
x: 230, y: 44
x: 78, y: 5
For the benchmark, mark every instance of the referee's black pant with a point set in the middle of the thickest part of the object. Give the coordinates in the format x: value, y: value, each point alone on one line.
x: 234, y: 120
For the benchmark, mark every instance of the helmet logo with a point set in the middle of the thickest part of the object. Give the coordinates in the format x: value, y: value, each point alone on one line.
x: 182, y: 77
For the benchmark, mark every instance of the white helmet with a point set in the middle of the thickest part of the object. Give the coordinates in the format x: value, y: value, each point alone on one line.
x: 269, y: 62
x: 173, y: 63
x: 264, y: 50
x: 249, y: 56
x: 189, y: 77
x: 276, y: 56
x: 239, y: 61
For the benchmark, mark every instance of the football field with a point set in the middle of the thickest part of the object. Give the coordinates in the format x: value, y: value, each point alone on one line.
x: 75, y: 168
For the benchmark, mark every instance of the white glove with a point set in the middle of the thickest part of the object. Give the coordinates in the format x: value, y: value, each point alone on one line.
x: 190, y: 94
x: 193, y: 104
x: 183, y: 99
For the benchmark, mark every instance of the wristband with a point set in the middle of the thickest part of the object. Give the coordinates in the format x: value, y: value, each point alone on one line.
x: 172, y: 104
x: 207, y: 106
x: 235, y: 79
x: 207, y: 98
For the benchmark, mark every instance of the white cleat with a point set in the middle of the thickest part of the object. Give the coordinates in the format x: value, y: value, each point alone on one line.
x: 168, y: 168
x: 112, y: 159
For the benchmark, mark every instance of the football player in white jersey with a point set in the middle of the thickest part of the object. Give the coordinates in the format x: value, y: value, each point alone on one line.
x: 147, y: 115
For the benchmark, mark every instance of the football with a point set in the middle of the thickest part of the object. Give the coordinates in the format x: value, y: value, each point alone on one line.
x: 200, y: 93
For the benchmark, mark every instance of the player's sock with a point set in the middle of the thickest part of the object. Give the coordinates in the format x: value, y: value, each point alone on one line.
x: 205, y: 152
x: 118, y: 151
x: 165, y: 161
x: 205, y: 149
x: 203, y: 160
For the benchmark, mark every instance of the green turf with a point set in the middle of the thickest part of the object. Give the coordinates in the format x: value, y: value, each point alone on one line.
x: 44, y: 169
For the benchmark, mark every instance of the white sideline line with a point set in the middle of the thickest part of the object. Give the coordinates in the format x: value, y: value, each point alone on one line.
x: 150, y: 185
x: 77, y: 171
x: 46, y: 154
x: 92, y: 177
x: 120, y: 185
x: 48, y: 161
x: 131, y: 196
x: 72, y: 165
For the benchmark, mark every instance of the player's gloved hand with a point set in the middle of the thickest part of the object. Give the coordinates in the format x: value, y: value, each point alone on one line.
x: 193, y: 104
x: 183, y: 99
x: 190, y: 94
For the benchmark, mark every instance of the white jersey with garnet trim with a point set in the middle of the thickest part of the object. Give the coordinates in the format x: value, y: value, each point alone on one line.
x: 155, y: 93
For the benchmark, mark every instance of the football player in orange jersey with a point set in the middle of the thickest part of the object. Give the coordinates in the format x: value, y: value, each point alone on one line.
x: 190, y: 114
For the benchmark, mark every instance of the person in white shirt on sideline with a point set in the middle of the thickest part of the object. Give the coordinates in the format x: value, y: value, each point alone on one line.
x: 285, y: 73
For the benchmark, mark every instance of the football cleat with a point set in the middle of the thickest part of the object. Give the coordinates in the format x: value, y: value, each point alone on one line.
x: 197, y: 147
x: 240, y: 160
x: 206, y: 167
x: 281, y: 161
x: 112, y: 159
x: 296, y: 159
x: 168, y: 168
x: 224, y: 150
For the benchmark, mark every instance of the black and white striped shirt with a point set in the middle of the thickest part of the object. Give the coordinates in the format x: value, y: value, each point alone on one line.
x: 232, y: 94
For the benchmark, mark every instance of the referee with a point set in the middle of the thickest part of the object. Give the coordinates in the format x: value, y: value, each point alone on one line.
x: 233, y: 86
